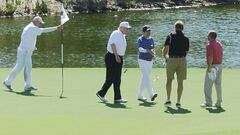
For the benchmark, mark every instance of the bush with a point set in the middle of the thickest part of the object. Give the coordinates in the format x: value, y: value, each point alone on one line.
x: 60, y: 1
x: 18, y: 2
x: 126, y: 3
x: 1, y: 12
x: 9, y: 10
x: 41, y: 8
x: 90, y: 5
x: 27, y: 10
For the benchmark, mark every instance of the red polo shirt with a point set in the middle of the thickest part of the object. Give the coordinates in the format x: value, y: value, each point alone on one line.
x: 214, y: 48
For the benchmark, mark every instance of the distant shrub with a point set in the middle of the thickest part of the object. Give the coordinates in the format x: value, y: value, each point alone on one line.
x: 1, y: 12
x: 90, y: 5
x: 60, y: 1
x: 27, y: 10
x: 9, y: 10
x: 41, y: 8
x: 126, y: 3
x: 18, y: 2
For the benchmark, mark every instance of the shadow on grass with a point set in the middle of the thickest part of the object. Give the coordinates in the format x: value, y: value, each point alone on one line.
x: 116, y: 105
x: 147, y: 104
x: 216, y: 110
x: 27, y: 93
x: 179, y: 110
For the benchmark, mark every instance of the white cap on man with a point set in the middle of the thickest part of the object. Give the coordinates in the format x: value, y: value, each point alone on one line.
x: 38, y: 19
x: 125, y: 25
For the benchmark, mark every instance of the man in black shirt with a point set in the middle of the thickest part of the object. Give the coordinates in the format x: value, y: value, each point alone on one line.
x: 175, y: 51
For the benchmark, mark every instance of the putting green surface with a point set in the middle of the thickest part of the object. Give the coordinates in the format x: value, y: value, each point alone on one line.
x: 81, y: 112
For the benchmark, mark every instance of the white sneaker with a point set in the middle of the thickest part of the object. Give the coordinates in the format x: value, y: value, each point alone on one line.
x: 142, y: 99
x: 103, y: 99
x: 204, y: 105
x: 30, y: 88
x: 120, y: 101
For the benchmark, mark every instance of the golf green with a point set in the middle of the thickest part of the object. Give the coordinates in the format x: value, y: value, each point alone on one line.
x: 81, y: 112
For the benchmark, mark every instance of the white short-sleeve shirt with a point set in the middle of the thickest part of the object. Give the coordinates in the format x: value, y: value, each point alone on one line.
x: 118, y: 38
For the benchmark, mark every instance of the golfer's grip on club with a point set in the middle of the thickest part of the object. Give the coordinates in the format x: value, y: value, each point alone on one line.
x: 114, y: 49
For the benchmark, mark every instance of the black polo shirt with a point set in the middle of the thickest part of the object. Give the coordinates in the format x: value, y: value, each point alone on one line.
x: 178, y: 44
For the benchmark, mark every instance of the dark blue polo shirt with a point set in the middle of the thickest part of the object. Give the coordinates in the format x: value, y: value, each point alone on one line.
x: 146, y: 44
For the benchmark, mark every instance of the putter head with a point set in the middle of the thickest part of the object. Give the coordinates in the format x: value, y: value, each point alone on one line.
x: 62, y: 97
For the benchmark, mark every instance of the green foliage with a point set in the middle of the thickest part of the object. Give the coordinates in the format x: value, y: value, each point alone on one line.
x: 9, y: 10
x: 1, y: 12
x: 27, y: 9
x: 18, y: 2
x: 60, y: 1
x: 41, y: 8
x: 126, y: 3
x: 90, y: 5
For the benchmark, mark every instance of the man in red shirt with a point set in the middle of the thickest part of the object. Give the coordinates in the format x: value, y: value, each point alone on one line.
x: 214, y: 54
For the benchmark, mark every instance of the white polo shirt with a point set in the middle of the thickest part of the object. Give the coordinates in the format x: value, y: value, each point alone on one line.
x: 29, y: 36
x: 118, y: 38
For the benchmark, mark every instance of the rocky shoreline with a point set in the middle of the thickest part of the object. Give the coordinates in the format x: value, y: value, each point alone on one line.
x: 24, y: 8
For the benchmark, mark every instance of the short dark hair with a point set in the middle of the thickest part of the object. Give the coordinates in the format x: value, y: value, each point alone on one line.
x: 213, y: 34
x: 179, y: 25
x: 146, y: 28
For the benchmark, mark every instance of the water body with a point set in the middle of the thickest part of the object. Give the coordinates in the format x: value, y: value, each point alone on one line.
x: 86, y: 35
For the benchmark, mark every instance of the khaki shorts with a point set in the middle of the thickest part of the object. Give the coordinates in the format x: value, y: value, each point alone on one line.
x: 178, y: 66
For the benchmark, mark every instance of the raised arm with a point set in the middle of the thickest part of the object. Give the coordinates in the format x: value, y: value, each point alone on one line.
x: 50, y: 29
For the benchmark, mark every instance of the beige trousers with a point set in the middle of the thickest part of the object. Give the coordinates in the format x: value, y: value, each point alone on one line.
x: 218, y: 85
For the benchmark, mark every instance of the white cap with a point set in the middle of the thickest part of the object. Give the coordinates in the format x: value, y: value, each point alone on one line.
x: 125, y: 25
x: 38, y: 19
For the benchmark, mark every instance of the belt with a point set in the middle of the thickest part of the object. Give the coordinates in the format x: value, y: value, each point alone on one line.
x: 113, y: 54
x: 176, y: 56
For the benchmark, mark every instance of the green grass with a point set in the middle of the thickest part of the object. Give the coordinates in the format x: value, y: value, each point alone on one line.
x: 81, y: 113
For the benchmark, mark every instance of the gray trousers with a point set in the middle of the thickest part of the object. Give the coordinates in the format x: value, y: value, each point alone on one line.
x: 218, y: 85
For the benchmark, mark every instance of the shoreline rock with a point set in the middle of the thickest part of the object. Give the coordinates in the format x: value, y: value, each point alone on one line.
x: 88, y: 6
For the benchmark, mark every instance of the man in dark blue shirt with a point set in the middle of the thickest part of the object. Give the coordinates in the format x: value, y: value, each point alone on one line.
x: 146, y: 52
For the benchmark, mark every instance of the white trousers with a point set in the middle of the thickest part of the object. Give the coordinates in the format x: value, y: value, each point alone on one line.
x: 24, y: 60
x: 218, y: 85
x: 146, y: 68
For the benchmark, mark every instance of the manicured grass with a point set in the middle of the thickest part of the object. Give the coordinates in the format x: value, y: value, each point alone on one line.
x: 81, y: 113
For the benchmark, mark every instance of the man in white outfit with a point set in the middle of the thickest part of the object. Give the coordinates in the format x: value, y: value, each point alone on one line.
x: 25, y: 50
x: 146, y: 52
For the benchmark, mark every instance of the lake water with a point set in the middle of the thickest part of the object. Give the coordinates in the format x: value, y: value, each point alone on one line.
x: 86, y: 35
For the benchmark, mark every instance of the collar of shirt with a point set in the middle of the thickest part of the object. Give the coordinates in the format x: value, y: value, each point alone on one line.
x: 121, y: 32
x: 212, y: 42
x: 146, y: 38
x: 179, y: 32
